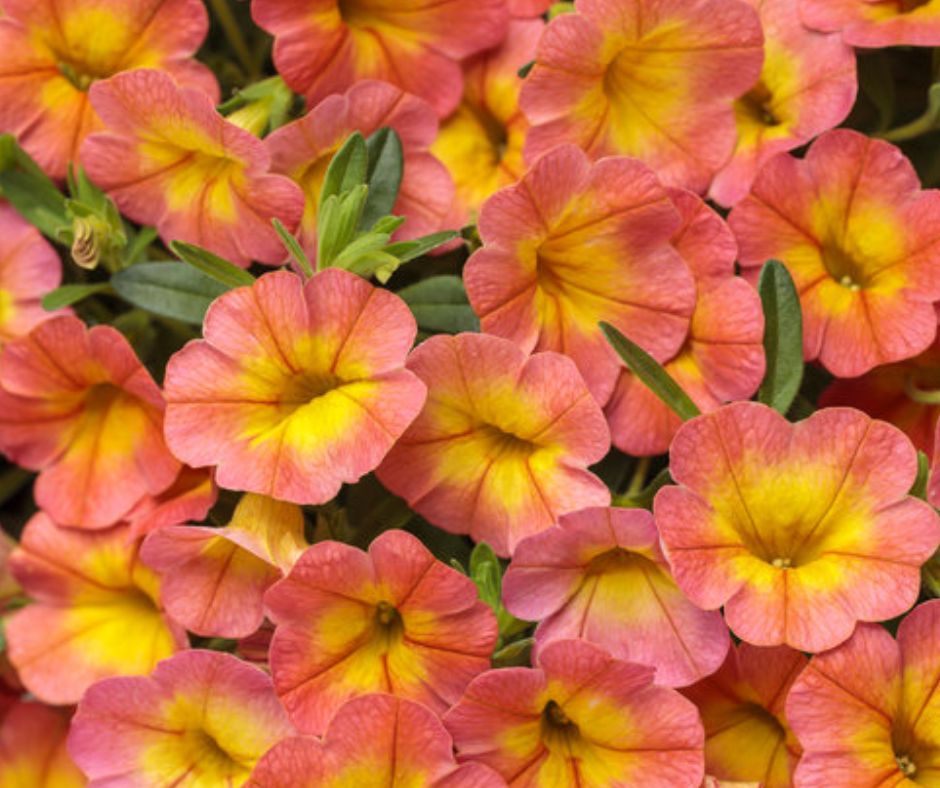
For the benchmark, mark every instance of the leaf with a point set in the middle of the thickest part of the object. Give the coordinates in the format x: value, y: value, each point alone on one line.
x: 651, y: 373
x: 487, y: 573
x: 783, y: 337
x: 337, y: 223
x: 168, y: 289
x: 385, y: 169
x: 293, y: 246
x: 516, y: 654
x: 30, y: 190
x: 919, y: 488
x: 440, y: 305
x: 67, y: 295
x: 348, y: 168
x: 212, y: 265
x: 523, y: 71
x: 409, y: 250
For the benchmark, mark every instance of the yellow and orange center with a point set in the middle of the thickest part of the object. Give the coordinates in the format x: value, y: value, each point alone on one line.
x: 906, y: 6
x: 388, y: 626
x: 558, y: 731
x: 757, y: 104
x: 211, y: 759
x: 614, y: 561
x: 844, y: 268
x: 304, y: 387
x: 504, y: 445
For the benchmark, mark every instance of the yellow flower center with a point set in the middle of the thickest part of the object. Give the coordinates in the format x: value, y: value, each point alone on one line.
x: 842, y: 267
x: 758, y: 104
x: 504, y: 444
x: 906, y: 765
x: 388, y: 622
x: 558, y: 730
x: 209, y: 758
x: 304, y: 387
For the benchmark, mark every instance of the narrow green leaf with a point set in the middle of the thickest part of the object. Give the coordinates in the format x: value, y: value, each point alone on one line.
x: 409, y: 250
x: 516, y: 654
x: 385, y: 170
x: 337, y: 223
x: 293, y: 246
x: 651, y: 372
x: 30, y: 191
x: 212, y: 265
x: 783, y: 337
x: 919, y: 488
x: 523, y: 71
x: 168, y: 289
x: 138, y: 244
x: 67, y: 295
x: 440, y: 305
x: 348, y: 168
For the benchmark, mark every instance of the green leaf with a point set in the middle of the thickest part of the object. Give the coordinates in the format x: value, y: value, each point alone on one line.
x: 138, y: 244
x: 212, y: 265
x: 516, y: 654
x: 168, y: 289
x: 293, y: 246
x: 486, y: 572
x: 523, y: 71
x: 409, y: 250
x: 651, y: 372
x: 385, y: 170
x: 783, y: 337
x: 348, y: 168
x: 919, y: 488
x: 440, y: 305
x: 31, y: 191
x: 67, y: 295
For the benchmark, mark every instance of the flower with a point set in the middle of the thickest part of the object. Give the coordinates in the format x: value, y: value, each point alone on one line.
x: 798, y: 530
x: 167, y: 158
x: 580, y: 717
x: 502, y: 446
x: 54, y: 50
x: 575, y: 243
x: 859, y: 238
x: 188, y: 499
x: 653, y: 79
x: 77, y: 405
x: 296, y: 387
x: 201, y: 718
x: 876, y: 23
x: 600, y: 575
x: 392, y: 620
x: 32, y: 748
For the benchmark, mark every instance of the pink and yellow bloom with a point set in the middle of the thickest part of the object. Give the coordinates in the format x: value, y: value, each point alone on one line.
x: 168, y: 159
x: 654, y: 79
x: 54, y: 50
x: 600, y: 575
x: 201, y: 718
x: 580, y: 717
x: 392, y: 620
x: 77, y: 405
x: 798, y: 530
x: 32, y: 748
x: 296, y: 388
x: 859, y: 238
x: 876, y: 23
x: 95, y: 613
x: 188, y: 499
x: 502, y: 446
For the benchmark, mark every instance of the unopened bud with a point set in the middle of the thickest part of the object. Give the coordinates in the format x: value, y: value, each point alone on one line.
x: 86, y: 249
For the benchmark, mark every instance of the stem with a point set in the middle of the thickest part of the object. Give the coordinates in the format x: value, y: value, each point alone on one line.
x: 638, y: 481
x: 233, y: 33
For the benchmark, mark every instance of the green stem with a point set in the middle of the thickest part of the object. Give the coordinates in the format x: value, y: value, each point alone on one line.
x: 638, y: 481
x: 236, y: 38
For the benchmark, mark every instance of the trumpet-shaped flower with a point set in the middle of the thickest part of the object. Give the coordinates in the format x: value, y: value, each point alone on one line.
x: 876, y: 23
x: 580, y: 717
x: 868, y: 712
x: 654, y: 79
x: 747, y: 737
x: 77, y: 405
x: 575, y: 243
x: 213, y: 579
x: 188, y: 499
x: 600, y: 575
x: 54, y: 50
x: 32, y: 748
x: 96, y: 611
x: 502, y: 446
x: 168, y: 159
x: 201, y: 718
x: 799, y: 530
x: 859, y: 238
x: 392, y: 620
x: 296, y: 387
x: 807, y: 86
x: 325, y: 46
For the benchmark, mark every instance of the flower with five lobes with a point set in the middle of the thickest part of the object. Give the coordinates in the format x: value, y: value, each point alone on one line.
x: 859, y: 238
x: 600, y: 575
x: 168, y: 159
x: 32, y: 748
x: 296, y: 388
x: 202, y: 718
x: 876, y: 23
x: 55, y: 50
x: 502, y: 446
x: 798, y: 530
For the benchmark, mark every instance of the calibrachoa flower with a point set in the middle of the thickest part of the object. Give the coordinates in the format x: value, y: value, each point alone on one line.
x: 325, y: 46
x: 747, y: 737
x: 214, y: 579
x: 32, y: 748
x: 96, y: 611
x: 601, y: 575
x: 167, y: 158
x: 392, y: 620
x: 876, y: 23
x: 302, y: 150
x: 859, y: 238
x: 188, y: 499
x: 54, y: 50
x: 868, y: 712
x: 373, y: 740
x: 502, y: 446
x: 722, y: 357
x: 653, y: 79
x: 296, y: 387
x: 77, y: 405
x: 581, y: 718
x: 798, y: 530
x: 201, y: 718
x: 808, y: 85
x: 575, y: 243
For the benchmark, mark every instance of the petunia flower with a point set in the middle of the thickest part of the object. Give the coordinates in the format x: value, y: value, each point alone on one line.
x: 96, y: 611
x: 32, y: 748
x: 201, y: 718
x: 859, y: 238
x: 808, y: 85
x: 375, y: 740
x: 502, y: 446
x: 747, y: 737
x: 325, y: 46
x: 575, y: 243
x: 55, y: 50
x: 296, y: 387
x: 798, y: 530
x: 600, y: 575
x: 392, y: 620
x: 168, y: 159
x: 188, y: 499
x: 868, y: 712
x: 580, y: 717
x: 876, y: 23
x: 654, y: 79
x: 77, y: 405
